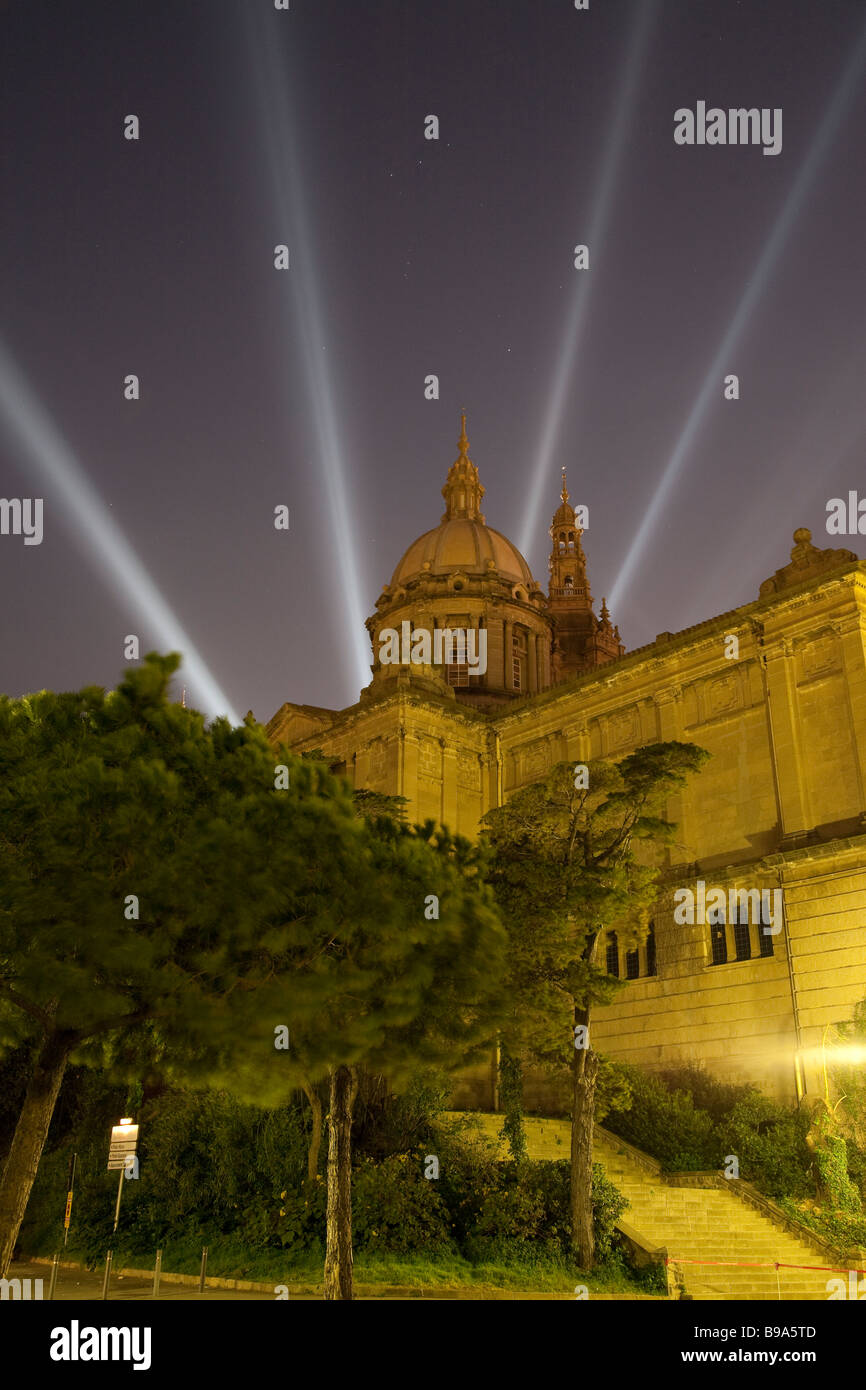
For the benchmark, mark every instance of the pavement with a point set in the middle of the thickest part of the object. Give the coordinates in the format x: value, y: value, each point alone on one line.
x: 74, y: 1285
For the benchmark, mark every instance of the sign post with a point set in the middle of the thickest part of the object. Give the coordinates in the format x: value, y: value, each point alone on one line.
x: 70, y: 1183
x: 124, y: 1140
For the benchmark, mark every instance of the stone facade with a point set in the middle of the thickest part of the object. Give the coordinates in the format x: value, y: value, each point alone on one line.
x: 781, y: 804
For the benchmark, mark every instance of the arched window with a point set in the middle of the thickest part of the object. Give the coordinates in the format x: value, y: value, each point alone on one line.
x: 632, y: 964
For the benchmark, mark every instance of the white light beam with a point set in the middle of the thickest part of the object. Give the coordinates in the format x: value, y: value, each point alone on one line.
x: 60, y: 472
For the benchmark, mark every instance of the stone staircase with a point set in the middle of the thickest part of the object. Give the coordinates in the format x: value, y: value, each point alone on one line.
x: 721, y: 1246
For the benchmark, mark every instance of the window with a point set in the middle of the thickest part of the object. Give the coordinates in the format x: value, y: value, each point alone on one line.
x: 457, y: 674
x: 718, y: 942
x: 742, y: 943
x: 651, y: 950
x: 612, y: 955
x: 765, y: 939
x: 569, y: 581
x: 632, y: 964
x: 518, y: 656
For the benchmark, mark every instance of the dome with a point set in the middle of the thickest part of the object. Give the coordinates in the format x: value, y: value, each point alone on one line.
x: 462, y: 542
x: 465, y: 544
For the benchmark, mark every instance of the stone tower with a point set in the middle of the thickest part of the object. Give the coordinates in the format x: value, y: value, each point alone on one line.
x: 581, y: 641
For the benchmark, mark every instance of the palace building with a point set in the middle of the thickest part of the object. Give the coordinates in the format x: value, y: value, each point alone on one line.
x: 779, y: 809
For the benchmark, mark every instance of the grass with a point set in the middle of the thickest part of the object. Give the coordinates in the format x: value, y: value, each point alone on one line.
x: 421, y: 1274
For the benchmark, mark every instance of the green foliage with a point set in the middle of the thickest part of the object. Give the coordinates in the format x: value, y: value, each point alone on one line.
x: 666, y: 1124
x: 849, y: 1077
x: 708, y: 1092
x: 831, y: 1161
x: 769, y: 1139
x: 608, y: 1206
x: 511, y: 1101
x: 386, y: 1123
x: 613, y: 1089
x: 395, y: 1209
x: 220, y: 1171
x: 846, y: 1230
x: 693, y: 1126
x: 528, y: 1204
x: 568, y: 863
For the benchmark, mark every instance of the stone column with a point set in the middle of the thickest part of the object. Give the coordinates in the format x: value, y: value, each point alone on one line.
x: 669, y: 721
x: 783, y: 716
x: 408, y: 763
x: 448, y: 801
x: 532, y: 663
x: 852, y: 642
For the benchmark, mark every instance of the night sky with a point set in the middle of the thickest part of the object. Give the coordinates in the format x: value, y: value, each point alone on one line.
x: 409, y: 257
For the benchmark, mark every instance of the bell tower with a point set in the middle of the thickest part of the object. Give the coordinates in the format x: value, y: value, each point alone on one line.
x: 581, y: 641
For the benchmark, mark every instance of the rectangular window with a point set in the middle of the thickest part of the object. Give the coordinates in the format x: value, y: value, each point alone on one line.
x: 651, y: 950
x: 612, y: 955
x: 457, y: 674
x: 517, y: 672
x: 742, y: 942
x: 765, y: 939
x: 719, y: 943
x: 632, y: 965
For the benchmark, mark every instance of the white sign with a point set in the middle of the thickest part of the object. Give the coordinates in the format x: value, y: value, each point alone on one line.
x: 124, y: 1141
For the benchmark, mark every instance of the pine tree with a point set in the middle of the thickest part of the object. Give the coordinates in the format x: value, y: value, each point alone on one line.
x: 181, y: 899
x: 573, y: 857
x: 156, y: 890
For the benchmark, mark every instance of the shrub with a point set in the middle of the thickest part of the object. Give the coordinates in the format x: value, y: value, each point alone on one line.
x: 708, y: 1093
x: 769, y: 1139
x: 396, y: 1210
x: 845, y: 1230
x: 667, y: 1125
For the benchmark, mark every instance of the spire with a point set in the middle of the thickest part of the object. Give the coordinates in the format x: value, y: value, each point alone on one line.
x: 463, y: 489
x: 567, y: 563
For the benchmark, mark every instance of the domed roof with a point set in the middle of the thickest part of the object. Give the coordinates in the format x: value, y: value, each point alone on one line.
x: 465, y: 544
x: 462, y: 540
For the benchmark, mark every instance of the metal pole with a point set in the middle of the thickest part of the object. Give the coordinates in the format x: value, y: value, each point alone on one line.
x: 106, y: 1276
x: 157, y: 1270
x: 70, y: 1185
x: 117, y: 1208
x: 53, y: 1280
x: 203, y: 1275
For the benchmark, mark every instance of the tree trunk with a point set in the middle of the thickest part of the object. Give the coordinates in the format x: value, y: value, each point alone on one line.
x: 584, y: 1069
x: 28, y: 1142
x: 338, y: 1252
x: 312, y: 1093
